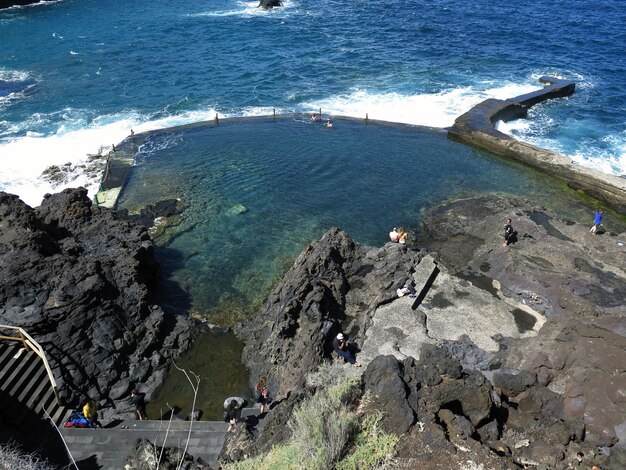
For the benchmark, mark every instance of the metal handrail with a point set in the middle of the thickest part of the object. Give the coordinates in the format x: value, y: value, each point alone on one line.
x: 31, y: 345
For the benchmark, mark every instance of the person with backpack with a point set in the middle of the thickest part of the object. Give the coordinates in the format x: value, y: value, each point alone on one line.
x: 261, y: 393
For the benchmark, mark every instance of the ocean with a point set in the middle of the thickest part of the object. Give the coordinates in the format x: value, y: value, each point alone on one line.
x: 77, y: 76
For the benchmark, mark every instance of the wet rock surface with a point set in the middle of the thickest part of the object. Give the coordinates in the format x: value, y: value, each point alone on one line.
x: 78, y: 280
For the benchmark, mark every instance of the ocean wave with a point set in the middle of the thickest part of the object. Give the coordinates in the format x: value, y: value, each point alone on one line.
x: 13, y: 75
x: 427, y: 109
x: 607, y: 154
x: 14, y: 85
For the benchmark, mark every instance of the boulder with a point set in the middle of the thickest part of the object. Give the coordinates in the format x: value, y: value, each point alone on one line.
x: 384, y: 380
x: 269, y: 4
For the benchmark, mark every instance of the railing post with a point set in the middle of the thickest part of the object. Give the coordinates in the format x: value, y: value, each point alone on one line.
x: 23, y: 340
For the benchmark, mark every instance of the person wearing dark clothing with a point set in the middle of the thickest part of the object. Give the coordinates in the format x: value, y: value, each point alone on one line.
x: 508, y: 233
x: 231, y: 412
x: 139, y: 400
x: 340, y: 346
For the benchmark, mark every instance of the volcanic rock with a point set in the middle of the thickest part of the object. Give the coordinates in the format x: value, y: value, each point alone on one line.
x: 78, y: 279
x: 269, y: 4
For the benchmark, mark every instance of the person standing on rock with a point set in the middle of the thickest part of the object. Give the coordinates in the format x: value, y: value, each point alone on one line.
x: 261, y: 393
x: 340, y: 346
x: 508, y: 233
x: 597, y: 222
x: 139, y: 400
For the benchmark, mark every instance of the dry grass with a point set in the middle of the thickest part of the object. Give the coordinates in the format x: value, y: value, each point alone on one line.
x: 11, y: 458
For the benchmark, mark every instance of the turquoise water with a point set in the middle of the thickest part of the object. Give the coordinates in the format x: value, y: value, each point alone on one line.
x: 77, y: 75
x: 257, y: 191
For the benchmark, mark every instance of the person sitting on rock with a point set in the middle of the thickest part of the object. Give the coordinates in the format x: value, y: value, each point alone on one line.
x: 402, y: 236
x: 90, y: 412
x: 394, y: 236
x: 139, y: 400
x: 340, y: 346
x: 261, y: 393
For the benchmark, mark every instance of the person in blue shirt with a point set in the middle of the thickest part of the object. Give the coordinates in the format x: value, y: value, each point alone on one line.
x: 597, y: 222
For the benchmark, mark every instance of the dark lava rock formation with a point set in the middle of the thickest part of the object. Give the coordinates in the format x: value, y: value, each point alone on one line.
x: 78, y: 280
x: 269, y: 4
x: 12, y: 3
x: 464, y: 378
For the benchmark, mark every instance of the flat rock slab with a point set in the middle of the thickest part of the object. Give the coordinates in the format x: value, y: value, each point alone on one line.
x: 397, y: 330
x: 455, y: 307
x: 451, y: 308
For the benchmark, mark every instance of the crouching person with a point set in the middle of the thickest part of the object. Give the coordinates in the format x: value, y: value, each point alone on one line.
x: 340, y: 346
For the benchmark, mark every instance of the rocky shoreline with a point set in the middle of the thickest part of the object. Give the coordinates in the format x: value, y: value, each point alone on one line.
x: 79, y: 280
x: 515, y: 356
x: 506, y: 357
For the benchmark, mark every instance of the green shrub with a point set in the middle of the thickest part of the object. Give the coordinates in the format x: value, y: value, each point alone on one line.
x: 285, y: 457
x: 372, y: 446
x: 321, y: 425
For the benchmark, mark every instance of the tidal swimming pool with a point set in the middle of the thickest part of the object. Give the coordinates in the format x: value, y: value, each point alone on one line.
x: 258, y: 190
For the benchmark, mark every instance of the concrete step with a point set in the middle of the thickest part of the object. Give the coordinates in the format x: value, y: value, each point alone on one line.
x: 13, y: 369
x: 107, y: 447
x: 28, y: 368
x: 7, y: 351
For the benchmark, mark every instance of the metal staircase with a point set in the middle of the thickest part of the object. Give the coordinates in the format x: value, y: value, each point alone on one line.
x: 27, y: 386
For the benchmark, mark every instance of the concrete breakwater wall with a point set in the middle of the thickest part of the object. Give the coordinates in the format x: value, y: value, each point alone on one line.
x: 476, y: 127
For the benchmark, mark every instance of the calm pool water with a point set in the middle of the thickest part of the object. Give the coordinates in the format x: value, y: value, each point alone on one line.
x: 258, y: 190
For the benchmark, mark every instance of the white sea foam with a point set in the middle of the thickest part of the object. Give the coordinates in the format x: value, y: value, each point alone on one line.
x: 23, y: 159
x: 611, y: 158
x: 13, y: 75
x: 429, y: 109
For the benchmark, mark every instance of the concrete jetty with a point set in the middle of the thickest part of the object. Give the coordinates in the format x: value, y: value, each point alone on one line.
x: 477, y: 128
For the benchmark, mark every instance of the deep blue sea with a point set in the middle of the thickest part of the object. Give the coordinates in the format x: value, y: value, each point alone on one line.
x: 77, y: 75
